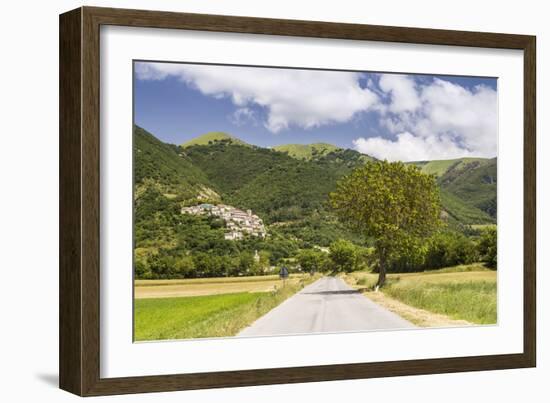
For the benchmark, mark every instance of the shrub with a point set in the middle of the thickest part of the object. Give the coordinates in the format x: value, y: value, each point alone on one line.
x: 487, y: 247
x: 444, y: 249
x: 311, y: 260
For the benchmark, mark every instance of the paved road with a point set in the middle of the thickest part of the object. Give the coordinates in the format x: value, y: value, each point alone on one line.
x: 327, y: 305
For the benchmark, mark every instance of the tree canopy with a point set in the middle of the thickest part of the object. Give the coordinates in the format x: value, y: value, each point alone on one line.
x: 393, y: 203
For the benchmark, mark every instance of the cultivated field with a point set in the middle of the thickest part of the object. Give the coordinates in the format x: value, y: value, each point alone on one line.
x: 209, y: 286
x: 221, y: 307
x: 467, y: 293
x: 215, y: 307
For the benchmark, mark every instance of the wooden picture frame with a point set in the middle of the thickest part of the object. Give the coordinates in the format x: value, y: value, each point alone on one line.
x: 79, y: 279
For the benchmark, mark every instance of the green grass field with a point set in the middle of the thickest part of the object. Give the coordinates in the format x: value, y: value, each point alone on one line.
x: 467, y: 292
x: 215, y: 315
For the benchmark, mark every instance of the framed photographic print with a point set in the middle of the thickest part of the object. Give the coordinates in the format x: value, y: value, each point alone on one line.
x: 248, y: 201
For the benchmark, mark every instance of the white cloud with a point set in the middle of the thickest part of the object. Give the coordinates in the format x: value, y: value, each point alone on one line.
x: 433, y: 119
x: 408, y: 147
x: 242, y: 116
x: 439, y: 120
x: 404, y: 97
x: 470, y: 117
x: 303, y: 98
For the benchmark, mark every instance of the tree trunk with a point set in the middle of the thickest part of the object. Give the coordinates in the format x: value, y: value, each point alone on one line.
x: 382, y: 270
x: 381, y: 276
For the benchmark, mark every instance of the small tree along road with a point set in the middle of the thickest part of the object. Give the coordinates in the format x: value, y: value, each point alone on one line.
x: 393, y: 203
x: 343, y: 256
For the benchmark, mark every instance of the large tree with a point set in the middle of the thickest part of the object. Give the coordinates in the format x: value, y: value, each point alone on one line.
x: 393, y: 203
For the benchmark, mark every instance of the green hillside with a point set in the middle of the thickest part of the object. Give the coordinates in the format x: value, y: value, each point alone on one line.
x: 163, y: 179
x: 231, y: 166
x: 306, y: 151
x: 271, y: 183
x: 461, y: 212
x: 287, y: 192
x: 294, y: 189
x: 212, y: 138
x: 468, y: 187
x: 439, y: 167
x: 474, y: 182
x: 284, y: 189
x: 299, y: 177
x: 323, y: 151
x: 279, y: 188
x: 162, y: 165
x: 348, y: 157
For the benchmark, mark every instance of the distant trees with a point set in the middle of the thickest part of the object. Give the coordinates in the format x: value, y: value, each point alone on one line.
x: 343, y: 256
x: 246, y: 262
x: 446, y: 248
x: 312, y: 260
x: 393, y: 203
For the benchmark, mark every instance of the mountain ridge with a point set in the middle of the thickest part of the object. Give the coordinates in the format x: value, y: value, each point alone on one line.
x: 439, y: 167
x: 306, y: 151
x: 222, y: 166
x: 213, y: 137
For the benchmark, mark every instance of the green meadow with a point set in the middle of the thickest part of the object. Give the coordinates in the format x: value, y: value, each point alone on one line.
x: 466, y: 292
x: 217, y: 315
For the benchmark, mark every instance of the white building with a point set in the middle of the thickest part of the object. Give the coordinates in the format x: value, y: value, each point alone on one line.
x: 237, y: 221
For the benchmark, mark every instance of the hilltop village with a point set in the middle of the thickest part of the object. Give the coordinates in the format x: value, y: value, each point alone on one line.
x: 237, y: 222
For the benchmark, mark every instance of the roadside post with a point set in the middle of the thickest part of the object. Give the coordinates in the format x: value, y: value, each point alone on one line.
x: 283, y: 274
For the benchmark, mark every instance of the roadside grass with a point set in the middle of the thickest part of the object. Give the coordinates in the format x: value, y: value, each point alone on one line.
x: 420, y: 317
x: 197, y: 287
x: 218, y: 315
x: 473, y: 301
x: 463, y: 268
x: 466, y: 292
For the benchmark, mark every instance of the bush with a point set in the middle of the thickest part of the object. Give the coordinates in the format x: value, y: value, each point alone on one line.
x: 443, y: 249
x: 487, y: 247
x: 312, y: 261
x: 450, y: 249
x: 142, y: 270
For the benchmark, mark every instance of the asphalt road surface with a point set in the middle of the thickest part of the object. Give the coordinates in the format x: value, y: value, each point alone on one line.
x: 325, y: 306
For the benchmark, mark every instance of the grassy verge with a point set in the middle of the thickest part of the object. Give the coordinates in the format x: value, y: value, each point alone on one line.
x: 206, y: 316
x: 467, y: 293
x: 420, y: 317
x: 473, y: 301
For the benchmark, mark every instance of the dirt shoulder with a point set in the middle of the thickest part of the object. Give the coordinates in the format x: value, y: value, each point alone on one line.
x: 419, y: 317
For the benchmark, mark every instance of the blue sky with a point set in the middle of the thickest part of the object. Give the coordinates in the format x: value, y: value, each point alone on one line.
x: 391, y: 116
